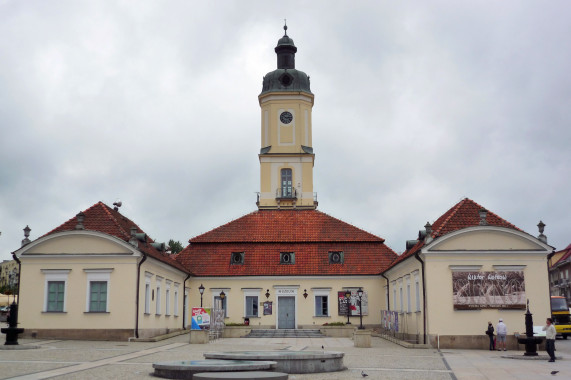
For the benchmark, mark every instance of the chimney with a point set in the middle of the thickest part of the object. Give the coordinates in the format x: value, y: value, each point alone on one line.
x: 541, y: 227
x: 483, y: 213
x: 26, y: 235
x: 80, y: 219
x: 428, y: 229
x: 133, y: 241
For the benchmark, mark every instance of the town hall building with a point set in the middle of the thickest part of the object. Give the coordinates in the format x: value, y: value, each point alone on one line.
x: 285, y: 265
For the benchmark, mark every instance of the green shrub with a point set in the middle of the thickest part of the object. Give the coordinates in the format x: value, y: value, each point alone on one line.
x: 334, y: 324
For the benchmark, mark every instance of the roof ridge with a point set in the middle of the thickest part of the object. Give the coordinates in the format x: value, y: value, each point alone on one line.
x: 69, y: 220
x: 222, y: 225
x: 114, y: 219
x: 454, y: 210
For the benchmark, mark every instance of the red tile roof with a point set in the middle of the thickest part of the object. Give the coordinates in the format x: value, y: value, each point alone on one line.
x: 264, y: 234
x: 464, y: 214
x: 565, y: 256
x: 277, y: 226
x: 102, y: 218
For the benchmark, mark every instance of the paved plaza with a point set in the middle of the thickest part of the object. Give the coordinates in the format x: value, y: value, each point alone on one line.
x: 385, y: 360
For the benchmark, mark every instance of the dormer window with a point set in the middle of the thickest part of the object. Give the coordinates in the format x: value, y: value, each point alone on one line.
x: 287, y: 258
x: 336, y: 257
x: 237, y: 258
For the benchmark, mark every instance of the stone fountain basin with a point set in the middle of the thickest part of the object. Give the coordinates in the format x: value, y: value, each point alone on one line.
x: 289, y: 361
x: 185, y: 369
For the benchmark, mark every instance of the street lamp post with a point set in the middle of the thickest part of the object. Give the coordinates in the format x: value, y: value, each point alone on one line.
x: 360, y: 294
x: 348, y: 299
x: 201, y: 290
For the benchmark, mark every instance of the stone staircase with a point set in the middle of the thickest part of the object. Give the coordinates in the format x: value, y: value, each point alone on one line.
x: 285, y: 333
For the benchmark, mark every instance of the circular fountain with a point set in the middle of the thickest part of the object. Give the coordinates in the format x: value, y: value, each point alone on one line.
x: 186, y: 369
x: 289, y: 361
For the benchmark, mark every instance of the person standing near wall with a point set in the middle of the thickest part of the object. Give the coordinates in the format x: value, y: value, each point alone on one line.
x: 490, y: 333
x: 550, y: 339
x: 502, y: 331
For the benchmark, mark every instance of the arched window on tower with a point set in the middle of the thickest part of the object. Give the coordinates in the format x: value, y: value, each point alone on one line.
x: 287, y: 189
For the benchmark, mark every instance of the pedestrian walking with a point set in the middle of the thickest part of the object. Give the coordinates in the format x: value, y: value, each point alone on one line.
x: 490, y: 333
x: 502, y: 331
x: 550, y: 339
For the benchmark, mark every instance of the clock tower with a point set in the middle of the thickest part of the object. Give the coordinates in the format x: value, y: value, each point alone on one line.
x: 286, y: 156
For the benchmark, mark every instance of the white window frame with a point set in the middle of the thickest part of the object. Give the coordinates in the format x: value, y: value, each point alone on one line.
x: 185, y: 307
x: 322, y: 293
x: 102, y: 275
x: 216, y: 293
x: 148, y: 277
x: 417, y: 291
x: 394, y: 286
x: 168, y: 297
x: 408, y: 296
x: 51, y: 275
x: 401, y: 298
x: 176, y: 286
x: 158, y: 286
x: 251, y: 293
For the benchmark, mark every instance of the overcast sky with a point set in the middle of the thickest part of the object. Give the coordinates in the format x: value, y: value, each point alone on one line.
x: 417, y: 105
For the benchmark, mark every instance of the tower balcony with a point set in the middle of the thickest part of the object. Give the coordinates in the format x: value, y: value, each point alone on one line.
x: 286, y: 194
x: 286, y: 199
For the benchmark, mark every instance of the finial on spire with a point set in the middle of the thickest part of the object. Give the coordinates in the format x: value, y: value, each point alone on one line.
x: 285, y: 27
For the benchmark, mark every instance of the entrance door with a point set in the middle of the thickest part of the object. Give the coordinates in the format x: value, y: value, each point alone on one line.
x: 286, y: 312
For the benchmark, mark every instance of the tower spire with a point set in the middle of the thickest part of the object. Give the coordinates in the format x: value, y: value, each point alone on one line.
x: 286, y: 155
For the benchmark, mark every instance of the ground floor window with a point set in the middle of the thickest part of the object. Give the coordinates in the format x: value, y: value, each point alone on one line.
x: 56, y: 295
x: 98, y: 296
x: 55, y: 290
x: 221, y: 304
x: 321, y: 306
x: 251, y: 306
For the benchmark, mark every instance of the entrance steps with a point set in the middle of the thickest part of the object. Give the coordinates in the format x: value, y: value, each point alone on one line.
x: 285, y: 333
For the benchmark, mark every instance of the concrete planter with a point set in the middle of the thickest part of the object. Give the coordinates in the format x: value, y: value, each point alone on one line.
x: 362, y: 338
x: 337, y: 331
x: 198, y: 336
x: 236, y: 331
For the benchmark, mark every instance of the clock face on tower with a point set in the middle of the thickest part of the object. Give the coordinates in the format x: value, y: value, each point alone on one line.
x: 286, y: 117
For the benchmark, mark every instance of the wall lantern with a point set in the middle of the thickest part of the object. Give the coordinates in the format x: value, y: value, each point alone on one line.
x: 222, y: 295
x: 305, y: 293
x: 267, y: 293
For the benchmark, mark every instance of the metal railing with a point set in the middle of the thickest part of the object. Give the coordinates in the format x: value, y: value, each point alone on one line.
x: 286, y: 193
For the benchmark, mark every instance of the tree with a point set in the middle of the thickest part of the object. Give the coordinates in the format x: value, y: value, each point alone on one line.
x: 175, y: 246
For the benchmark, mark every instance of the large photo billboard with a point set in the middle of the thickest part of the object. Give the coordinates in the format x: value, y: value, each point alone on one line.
x: 488, y: 290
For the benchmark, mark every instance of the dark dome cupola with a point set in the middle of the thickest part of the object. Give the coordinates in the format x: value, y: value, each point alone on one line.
x: 286, y: 52
x: 286, y: 77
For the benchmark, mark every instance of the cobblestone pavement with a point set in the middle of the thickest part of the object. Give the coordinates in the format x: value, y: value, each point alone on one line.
x: 385, y: 360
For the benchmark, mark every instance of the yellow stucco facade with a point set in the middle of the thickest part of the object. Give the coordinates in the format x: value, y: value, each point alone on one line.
x: 286, y: 145
x: 63, y: 272
x: 476, y: 249
x: 305, y: 309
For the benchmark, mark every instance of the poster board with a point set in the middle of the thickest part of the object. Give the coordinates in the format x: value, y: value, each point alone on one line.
x: 352, y: 304
x: 488, y: 290
x: 200, y: 316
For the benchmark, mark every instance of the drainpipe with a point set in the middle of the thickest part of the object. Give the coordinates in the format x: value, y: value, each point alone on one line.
x: 184, y: 306
x: 138, y: 295
x: 417, y: 256
x: 388, y: 292
x: 549, y: 256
